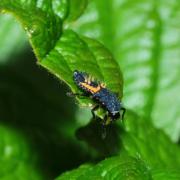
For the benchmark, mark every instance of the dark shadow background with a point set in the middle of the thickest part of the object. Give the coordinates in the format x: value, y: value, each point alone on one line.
x: 34, y: 102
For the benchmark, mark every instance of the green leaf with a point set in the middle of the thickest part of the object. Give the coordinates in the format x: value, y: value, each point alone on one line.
x: 16, y: 159
x: 142, y: 139
x: 11, y: 34
x: 144, y: 36
x: 68, y: 10
x: 76, y: 8
x: 159, y: 174
x: 122, y: 167
x: 74, y: 174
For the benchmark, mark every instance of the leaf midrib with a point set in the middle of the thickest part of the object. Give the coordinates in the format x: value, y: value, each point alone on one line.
x: 155, y: 62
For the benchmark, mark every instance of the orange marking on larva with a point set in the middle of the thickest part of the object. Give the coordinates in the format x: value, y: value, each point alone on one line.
x: 91, y: 88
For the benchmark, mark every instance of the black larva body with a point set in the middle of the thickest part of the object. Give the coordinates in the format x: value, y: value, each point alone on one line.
x: 108, y: 100
x: 97, y: 91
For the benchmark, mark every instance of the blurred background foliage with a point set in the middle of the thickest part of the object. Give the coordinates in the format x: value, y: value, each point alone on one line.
x: 38, y: 122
